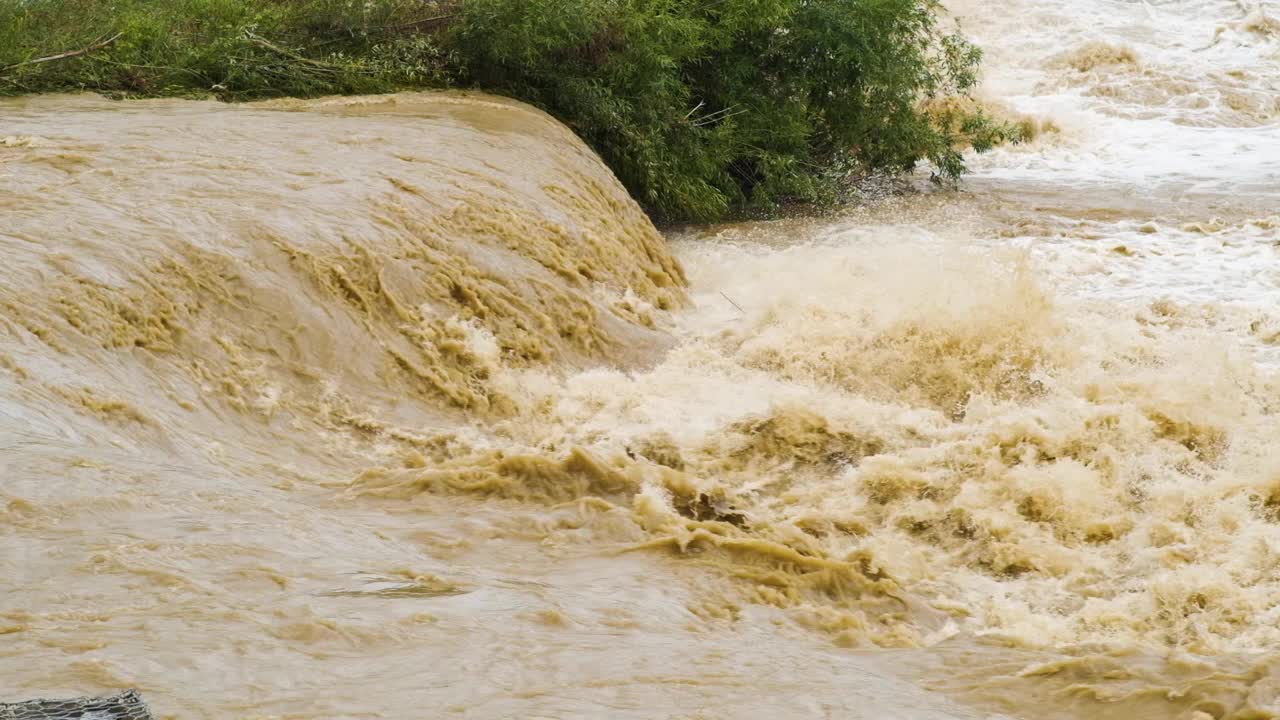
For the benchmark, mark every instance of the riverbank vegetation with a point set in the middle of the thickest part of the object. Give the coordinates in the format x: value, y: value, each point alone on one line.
x: 703, y: 108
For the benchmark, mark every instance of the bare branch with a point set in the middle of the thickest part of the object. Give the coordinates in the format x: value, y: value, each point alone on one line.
x: 731, y: 302
x: 264, y: 43
x: 96, y: 45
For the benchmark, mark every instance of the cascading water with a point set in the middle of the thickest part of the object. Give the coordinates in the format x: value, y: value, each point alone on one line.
x: 397, y: 407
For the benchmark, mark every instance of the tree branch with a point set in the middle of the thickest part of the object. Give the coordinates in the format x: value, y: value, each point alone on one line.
x: 264, y: 43
x: 418, y: 23
x: 96, y: 45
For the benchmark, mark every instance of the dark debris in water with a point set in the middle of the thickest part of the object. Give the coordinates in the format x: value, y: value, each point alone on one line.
x: 125, y: 706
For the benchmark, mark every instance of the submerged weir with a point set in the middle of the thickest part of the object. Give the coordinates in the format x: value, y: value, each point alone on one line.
x: 399, y: 406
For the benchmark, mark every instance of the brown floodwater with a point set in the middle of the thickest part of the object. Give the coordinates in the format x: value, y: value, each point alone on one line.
x: 400, y: 407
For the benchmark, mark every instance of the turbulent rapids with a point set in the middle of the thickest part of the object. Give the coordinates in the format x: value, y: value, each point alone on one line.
x: 400, y: 407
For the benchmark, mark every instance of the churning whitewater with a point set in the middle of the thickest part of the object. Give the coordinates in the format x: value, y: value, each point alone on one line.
x: 398, y: 407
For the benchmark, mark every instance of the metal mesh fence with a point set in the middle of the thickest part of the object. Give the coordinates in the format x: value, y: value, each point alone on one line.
x: 125, y: 706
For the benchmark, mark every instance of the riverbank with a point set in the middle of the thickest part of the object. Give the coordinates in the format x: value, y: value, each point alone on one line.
x: 702, y: 110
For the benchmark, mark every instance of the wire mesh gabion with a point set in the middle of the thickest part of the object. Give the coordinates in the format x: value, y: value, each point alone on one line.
x: 125, y: 706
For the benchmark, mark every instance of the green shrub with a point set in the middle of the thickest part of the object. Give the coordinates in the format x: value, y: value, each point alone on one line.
x: 702, y: 107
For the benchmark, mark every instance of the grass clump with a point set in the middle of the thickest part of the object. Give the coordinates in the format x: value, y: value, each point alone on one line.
x: 702, y: 107
x: 232, y: 49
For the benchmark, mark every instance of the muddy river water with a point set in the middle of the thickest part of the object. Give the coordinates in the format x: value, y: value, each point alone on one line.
x: 399, y: 407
